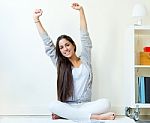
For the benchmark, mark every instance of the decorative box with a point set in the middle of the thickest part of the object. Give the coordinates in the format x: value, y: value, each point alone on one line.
x: 146, y: 49
x: 145, y: 58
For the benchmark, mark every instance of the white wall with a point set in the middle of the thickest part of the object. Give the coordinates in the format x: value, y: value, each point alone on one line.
x: 27, y: 76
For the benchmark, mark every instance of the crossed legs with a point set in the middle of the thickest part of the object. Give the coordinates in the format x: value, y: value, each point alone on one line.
x: 98, y: 110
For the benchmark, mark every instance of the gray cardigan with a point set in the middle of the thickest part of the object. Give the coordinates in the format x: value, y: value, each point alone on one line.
x: 85, y: 59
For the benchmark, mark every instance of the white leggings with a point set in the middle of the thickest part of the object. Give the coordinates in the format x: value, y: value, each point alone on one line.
x: 80, y: 111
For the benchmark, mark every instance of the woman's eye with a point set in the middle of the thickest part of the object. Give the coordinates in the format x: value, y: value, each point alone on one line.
x: 60, y: 47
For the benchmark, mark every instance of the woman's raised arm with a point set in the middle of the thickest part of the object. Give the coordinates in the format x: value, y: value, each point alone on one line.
x: 36, y: 16
x: 49, y: 45
x: 83, y: 23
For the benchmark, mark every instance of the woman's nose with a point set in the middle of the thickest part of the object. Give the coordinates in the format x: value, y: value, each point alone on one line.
x: 65, y: 48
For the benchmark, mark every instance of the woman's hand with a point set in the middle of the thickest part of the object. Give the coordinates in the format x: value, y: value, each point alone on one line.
x: 76, y: 6
x: 37, y: 13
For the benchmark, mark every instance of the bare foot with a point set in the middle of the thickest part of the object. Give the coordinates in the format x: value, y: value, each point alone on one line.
x: 55, y: 117
x: 105, y: 116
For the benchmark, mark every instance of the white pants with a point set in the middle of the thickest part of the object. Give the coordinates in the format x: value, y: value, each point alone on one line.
x: 80, y: 111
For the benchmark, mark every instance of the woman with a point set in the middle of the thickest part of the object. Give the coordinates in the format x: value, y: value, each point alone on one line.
x: 74, y: 75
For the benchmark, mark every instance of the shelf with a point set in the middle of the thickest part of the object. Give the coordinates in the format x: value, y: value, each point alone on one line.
x: 141, y: 30
x: 143, y: 105
x: 142, y: 66
x: 143, y: 27
x: 139, y: 37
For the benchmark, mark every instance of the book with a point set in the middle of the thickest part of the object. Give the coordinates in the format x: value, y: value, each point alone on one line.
x: 141, y: 89
x: 147, y: 89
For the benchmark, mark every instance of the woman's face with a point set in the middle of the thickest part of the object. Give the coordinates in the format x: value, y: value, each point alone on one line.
x: 66, y: 48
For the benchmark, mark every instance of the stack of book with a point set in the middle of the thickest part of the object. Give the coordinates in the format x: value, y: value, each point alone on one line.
x: 143, y: 89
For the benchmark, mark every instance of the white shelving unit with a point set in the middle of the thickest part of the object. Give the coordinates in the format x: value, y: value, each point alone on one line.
x: 137, y: 38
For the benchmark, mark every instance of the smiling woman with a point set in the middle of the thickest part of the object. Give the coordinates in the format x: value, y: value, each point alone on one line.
x: 65, y: 46
x: 74, y: 75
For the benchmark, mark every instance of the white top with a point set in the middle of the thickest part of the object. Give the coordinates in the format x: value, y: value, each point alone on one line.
x: 85, y: 56
x: 80, y: 77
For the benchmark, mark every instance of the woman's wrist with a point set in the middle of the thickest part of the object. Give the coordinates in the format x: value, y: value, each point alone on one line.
x: 36, y: 20
x: 81, y: 8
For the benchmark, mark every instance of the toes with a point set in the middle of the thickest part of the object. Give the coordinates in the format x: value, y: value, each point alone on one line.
x: 114, y: 116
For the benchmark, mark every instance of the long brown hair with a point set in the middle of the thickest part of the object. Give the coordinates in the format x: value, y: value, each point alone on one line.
x: 64, y: 72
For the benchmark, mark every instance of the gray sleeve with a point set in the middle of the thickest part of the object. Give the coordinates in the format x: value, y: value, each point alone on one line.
x: 49, y: 47
x: 86, y: 46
